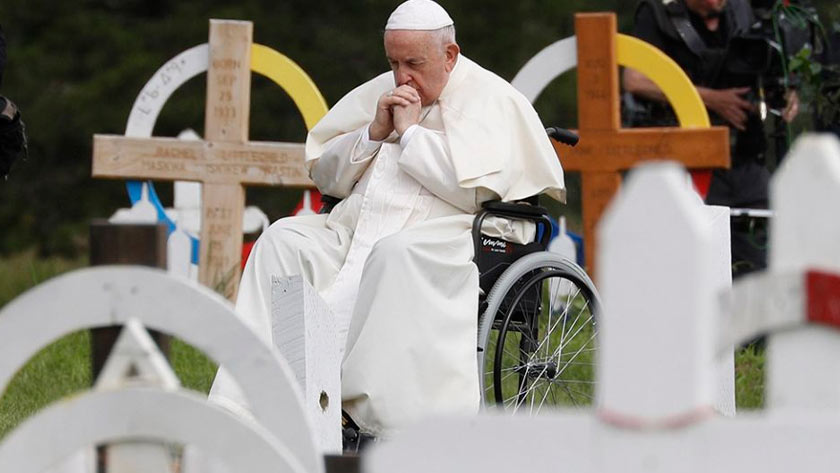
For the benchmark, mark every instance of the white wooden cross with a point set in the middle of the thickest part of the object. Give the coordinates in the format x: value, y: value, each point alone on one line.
x: 800, y: 284
x: 665, y: 255
x: 135, y: 361
x: 109, y: 295
x: 224, y: 162
x: 137, y: 401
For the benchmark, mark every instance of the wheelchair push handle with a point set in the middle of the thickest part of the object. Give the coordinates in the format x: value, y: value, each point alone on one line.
x: 563, y: 135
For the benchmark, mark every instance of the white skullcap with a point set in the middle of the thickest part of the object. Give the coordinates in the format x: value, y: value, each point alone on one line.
x: 418, y: 15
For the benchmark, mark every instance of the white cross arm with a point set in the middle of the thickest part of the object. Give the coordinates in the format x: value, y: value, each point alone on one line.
x: 141, y: 413
x: 762, y: 303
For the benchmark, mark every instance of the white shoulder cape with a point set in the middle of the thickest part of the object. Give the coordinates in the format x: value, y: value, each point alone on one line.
x: 496, y: 139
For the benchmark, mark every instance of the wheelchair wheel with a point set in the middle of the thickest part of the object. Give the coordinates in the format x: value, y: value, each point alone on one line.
x: 537, y: 337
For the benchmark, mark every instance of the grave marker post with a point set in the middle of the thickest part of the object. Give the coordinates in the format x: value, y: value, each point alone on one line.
x: 605, y: 150
x: 139, y: 244
x: 800, y: 282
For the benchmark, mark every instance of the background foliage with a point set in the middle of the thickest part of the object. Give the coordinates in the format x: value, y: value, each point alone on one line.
x: 76, y: 66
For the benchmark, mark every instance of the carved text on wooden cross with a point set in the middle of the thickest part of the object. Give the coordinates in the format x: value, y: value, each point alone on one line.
x: 224, y: 162
x: 605, y: 149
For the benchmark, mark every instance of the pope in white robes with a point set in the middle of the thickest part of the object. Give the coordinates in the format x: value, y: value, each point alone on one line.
x: 413, y: 153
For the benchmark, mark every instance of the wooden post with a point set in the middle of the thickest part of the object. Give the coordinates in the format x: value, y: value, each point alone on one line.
x: 136, y: 244
x: 342, y: 464
x: 605, y: 150
x: 224, y: 162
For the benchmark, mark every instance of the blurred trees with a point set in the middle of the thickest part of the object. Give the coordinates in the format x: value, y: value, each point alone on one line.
x: 75, y: 68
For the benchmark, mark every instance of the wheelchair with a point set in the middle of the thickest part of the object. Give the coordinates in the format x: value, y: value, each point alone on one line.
x: 538, y: 315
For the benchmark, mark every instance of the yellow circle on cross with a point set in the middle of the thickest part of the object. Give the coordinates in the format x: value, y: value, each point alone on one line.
x: 288, y: 75
x: 668, y: 76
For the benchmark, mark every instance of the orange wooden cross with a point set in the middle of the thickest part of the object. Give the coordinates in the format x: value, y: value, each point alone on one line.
x: 605, y: 149
x: 224, y: 162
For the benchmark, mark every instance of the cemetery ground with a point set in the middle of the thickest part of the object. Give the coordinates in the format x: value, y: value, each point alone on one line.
x: 63, y: 368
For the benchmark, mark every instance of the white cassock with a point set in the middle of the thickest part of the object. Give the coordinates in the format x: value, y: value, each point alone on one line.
x: 394, y: 258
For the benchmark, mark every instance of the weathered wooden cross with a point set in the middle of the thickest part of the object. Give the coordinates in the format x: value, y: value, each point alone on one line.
x: 224, y: 162
x: 605, y: 150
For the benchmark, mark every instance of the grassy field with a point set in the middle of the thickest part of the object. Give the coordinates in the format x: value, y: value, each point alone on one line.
x: 63, y: 368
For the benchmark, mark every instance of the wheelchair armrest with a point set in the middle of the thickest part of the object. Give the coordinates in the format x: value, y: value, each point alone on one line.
x: 538, y: 215
x: 514, y: 209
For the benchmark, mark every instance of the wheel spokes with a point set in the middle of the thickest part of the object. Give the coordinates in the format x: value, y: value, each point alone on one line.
x: 550, y: 361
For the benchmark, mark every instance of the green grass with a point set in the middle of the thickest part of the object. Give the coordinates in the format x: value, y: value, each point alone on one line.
x: 23, y: 271
x: 59, y: 370
x: 193, y: 368
x: 749, y: 378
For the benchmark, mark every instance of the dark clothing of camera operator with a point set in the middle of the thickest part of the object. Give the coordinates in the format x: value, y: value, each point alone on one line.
x: 12, y: 130
x: 697, y: 34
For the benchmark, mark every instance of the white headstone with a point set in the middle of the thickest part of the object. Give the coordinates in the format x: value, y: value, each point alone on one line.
x: 803, y: 370
x: 657, y: 267
x: 178, y: 254
x: 306, y: 208
x: 136, y: 361
x: 804, y: 195
x: 305, y: 333
x: 141, y: 212
x: 577, y: 441
x: 563, y: 244
x: 724, y: 384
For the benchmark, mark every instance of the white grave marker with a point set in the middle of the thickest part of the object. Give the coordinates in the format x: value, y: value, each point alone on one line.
x: 109, y: 295
x: 135, y: 361
x: 140, y: 413
x: 304, y: 331
x: 657, y: 236
x: 545, y: 66
x: 804, y: 236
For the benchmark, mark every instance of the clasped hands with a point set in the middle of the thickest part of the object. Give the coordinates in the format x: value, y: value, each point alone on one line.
x: 396, y: 109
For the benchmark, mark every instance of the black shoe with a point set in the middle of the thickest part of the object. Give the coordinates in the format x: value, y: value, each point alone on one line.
x: 354, y: 441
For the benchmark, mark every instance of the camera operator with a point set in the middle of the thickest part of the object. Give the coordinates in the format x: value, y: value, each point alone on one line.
x: 697, y: 35
x: 12, y: 129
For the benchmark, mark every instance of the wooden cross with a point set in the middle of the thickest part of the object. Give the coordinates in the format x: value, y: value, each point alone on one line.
x: 224, y: 162
x: 605, y: 150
